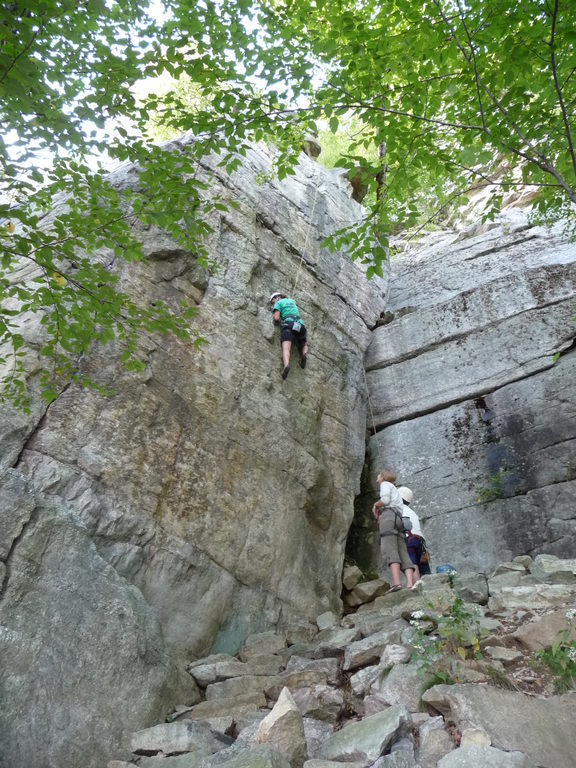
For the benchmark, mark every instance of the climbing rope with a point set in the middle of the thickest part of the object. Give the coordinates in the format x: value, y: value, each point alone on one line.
x: 294, y: 290
x: 307, y: 239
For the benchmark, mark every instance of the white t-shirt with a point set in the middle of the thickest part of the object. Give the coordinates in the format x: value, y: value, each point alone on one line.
x: 416, y: 529
x: 390, y: 496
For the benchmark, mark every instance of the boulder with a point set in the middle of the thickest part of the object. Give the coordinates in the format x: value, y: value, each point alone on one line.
x: 367, y: 739
x: 532, y: 597
x: 435, y: 743
x: 361, y: 681
x: 484, y: 757
x: 321, y: 702
x: 328, y: 666
x: 315, y: 763
x: 239, y: 686
x: 507, y: 656
x: 326, y: 620
x: 366, y: 591
x: 225, y: 667
x: 395, y: 654
x: 262, y: 643
x: 397, y: 760
x: 331, y: 642
x: 300, y: 631
x: 351, y: 576
x: 544, y: 631
x: 542, y: 729
x: 222, y: 707
x: 370, y: 649
x: 174, y: 738
x: 403, y: 684
x: 258, y: 756
x: 294, y: 680
x: 472, y: 587
x: 370, y: 622
x: 316, y: 731
x: 283, y: 729
x: 553, y: 570
x: 185, y: 760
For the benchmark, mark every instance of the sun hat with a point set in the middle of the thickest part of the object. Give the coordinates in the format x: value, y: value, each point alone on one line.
x: 406, y: 494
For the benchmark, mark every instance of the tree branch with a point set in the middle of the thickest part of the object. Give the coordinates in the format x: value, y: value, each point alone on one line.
x: 557, y: 85
x: 507, y: 184
x: 568, y: 78
x: 22, y: 52
x: 496, y: 102
x: 384, y: 110
x: 445, y: 204
x: 474, y: 64
x: 538, y: 158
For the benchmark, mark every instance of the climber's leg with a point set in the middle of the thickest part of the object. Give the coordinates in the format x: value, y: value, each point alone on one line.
x: 409, y: 573
x: 286, y: 346
x: 395, y: 571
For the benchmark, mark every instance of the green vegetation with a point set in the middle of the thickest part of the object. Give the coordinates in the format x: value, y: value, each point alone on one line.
x: 335, y: 145
x: 561, y: 657
x: 444, y: 96
x: 493, y: 490
x: 445, y: 636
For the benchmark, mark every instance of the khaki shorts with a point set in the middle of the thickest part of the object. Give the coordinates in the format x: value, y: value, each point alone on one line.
x: 393, y: 550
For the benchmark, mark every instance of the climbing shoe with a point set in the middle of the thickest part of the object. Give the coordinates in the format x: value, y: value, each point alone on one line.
x: 285, y: 371
x: 303, y: 361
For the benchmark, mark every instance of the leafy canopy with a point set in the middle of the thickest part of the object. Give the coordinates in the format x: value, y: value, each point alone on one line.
x: 443, y: 92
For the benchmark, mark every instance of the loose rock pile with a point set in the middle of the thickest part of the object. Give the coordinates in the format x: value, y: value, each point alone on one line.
x: 351, y: 690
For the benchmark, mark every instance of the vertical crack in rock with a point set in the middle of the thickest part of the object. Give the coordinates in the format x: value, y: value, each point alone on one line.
x: 38, y: 426
x: 12, y: 549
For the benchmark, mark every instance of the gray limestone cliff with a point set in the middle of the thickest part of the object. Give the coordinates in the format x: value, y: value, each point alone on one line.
x: 472, y: 391
x: 194, y: 503
x: 205, y: 499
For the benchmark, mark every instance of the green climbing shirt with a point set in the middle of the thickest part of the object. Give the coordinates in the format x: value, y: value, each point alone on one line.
x: 287, y: 308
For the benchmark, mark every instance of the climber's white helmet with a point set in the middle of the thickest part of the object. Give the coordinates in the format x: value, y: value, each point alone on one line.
x: 406, y: 494
x: 274, y: 296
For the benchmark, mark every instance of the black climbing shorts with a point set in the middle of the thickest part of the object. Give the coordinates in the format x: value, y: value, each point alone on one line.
x: 287, y: 334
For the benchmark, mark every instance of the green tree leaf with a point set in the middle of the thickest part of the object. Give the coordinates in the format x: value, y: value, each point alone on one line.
x: 451, y: 92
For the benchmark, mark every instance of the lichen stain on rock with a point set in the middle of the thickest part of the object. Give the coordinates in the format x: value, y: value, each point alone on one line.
x: 545, y: 282
x: 320, y: 500
x: 460, y: 433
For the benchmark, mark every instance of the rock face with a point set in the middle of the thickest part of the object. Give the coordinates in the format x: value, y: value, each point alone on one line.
x: 200, y: 501
x: 205, y: 500
x: 469, y: 402
x: 83, y: 656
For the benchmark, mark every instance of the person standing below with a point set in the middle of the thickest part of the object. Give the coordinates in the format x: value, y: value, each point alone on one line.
x: 388, y: 511
x: 286, y: 313
x: 414, y: 540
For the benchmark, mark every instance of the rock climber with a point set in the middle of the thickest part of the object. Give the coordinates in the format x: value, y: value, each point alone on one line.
x: 414, y: 540
x: 388, y: 511
x: 286, y: 313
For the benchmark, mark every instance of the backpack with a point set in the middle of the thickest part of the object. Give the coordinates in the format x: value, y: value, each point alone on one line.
x: 406, y: 522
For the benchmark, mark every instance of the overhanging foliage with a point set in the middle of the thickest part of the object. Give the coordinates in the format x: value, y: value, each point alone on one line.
x: 448, y: 91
